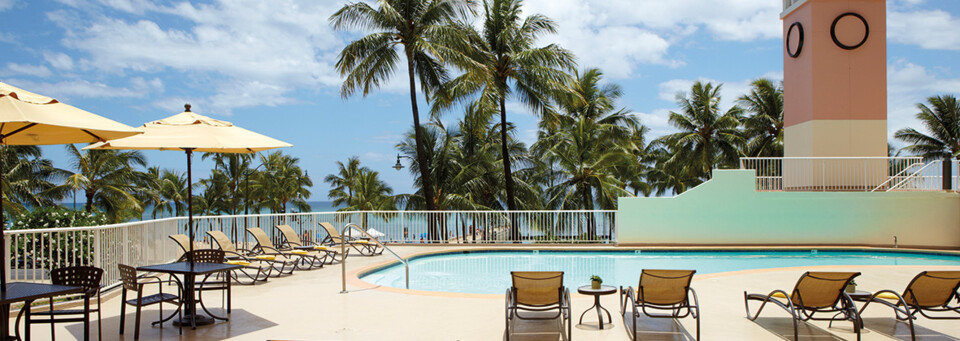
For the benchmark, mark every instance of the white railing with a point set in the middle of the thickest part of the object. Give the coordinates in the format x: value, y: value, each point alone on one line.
x: 929, y: 177
x: 860, y: 174
x: 33, y: 253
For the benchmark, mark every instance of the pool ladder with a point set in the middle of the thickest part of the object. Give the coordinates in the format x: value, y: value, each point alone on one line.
x: 343, y: 263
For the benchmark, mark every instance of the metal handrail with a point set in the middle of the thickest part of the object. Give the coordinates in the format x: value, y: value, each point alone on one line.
x: 343, y: 236
x: 899, y: 175
x: 914, y: 175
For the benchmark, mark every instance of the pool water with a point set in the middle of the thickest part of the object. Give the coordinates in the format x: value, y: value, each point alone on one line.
x: 488, y: 272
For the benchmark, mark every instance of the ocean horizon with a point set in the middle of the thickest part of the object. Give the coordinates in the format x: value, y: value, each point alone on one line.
x: 315, y: 206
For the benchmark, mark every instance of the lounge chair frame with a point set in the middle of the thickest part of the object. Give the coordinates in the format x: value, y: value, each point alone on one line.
x: 334, y: 238
x: 842, y: 305
x: 679, y: 309
x: 291, y: 240
x: 252, y: 273
x: 907, y: 311
x: 265, y: 247
x: 562, y: 305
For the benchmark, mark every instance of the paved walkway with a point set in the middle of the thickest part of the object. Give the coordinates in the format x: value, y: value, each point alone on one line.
x: 309, y: 306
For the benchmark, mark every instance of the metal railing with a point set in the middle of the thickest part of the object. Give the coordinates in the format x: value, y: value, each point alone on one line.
x: 33, y: 253
x: 343, y: 264
x: 833, y: 174
x: 929, y: 177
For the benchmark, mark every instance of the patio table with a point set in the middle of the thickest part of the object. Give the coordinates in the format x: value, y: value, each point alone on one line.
x: 29, y: 292
x: 190, y: 271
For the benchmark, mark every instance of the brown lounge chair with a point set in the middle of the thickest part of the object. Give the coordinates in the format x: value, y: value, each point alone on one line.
x: 538, y: 291
x: 300, y: 259
x: 324, y: 254
x: 363, y: 246
x: 254, y: 269
x: 661, y: 290
x: 929, y: 291
x: 815, y: 292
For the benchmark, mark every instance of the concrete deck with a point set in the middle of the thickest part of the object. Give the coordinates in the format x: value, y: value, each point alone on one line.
x: 309, y: 306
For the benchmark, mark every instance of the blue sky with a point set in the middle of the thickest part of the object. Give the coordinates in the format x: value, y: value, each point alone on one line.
x: 268, y: 65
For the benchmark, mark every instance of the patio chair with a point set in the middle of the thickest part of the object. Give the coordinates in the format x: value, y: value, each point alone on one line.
x: 86, y: 277
x: 255, y: 270
x: 296, y: 258
x: 363, y: 246
x: 538, y: 291
x: 661, y: 290
x: 204, y: 284
x: 132, y: 282
x: 814, y: 293
x: 928, y: 292
x: 322, y: 253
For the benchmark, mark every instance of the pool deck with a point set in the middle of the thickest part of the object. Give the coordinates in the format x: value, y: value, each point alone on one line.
x: 309, y: 306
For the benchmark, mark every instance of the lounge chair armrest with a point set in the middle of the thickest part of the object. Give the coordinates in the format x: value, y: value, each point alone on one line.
x: 509, y: 304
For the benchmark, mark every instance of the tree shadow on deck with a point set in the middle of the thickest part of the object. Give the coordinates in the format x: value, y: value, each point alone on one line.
x: 783, y: 328
x: 241, y: 322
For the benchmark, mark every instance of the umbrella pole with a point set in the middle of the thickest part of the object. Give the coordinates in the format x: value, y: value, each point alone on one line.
x: 190, y: 202
x: 3, y: 226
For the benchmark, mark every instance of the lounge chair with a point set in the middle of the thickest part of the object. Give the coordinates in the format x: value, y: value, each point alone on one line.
x: 363, y: 246
x: 254, y: 269
x: 300, y: 259
x: 661, y: 290
x: 815, y: 292
x: 928, y: 292
x: 291, y: 239
x: 538, y: 291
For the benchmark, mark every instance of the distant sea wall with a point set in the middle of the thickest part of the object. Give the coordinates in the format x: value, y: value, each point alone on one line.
x: 727, y: 210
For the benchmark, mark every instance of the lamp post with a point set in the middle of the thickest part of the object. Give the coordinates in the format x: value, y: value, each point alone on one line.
x: 399, y: 165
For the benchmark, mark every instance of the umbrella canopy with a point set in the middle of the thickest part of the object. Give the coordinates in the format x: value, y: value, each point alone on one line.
x: 27, y: 118
x: 191, y: 132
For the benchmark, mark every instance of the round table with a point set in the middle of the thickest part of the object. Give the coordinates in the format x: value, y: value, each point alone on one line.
x: 604, y: 290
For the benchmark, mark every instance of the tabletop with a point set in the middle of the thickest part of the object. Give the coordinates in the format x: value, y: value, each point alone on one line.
x: 184, y: 268
x: 604, y: 290
x: 23, y: 291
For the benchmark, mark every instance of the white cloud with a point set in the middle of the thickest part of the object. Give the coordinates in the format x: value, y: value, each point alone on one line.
x: 376, y: 157
x: 14, y: 69
x: 65, y: 89
x: 929, y: 29
x: 253, y: 52
x: 58, y: 60
x: 907, y: 85
x: 6, y: 4
x: 658, y: 121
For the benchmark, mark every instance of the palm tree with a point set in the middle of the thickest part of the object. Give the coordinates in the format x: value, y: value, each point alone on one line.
x: 108, y: 180
x: 345, y: 181
x: 942, y: 120
x: 763, y: 129
x: 708, y: 138
x: 28, y: 179
x: 229, y: 169
x: 282, y: 182
x: 505, y: 63
x: 417, y: 30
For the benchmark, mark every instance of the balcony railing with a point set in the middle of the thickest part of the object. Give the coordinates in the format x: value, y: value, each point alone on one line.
x: 33, y: 253
x: 848, y: 174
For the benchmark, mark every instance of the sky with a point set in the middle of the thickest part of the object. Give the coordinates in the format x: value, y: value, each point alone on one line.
x: 268, y: 66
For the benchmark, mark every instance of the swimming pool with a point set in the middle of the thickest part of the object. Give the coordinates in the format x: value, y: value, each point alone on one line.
x: 488, y: 272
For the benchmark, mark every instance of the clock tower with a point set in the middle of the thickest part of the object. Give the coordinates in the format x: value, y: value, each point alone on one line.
x: 835, y: 85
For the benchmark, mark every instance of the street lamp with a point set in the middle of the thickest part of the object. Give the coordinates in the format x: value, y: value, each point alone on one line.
x: 399, y: 165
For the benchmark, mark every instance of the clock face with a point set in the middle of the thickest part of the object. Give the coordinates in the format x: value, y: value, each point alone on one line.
x: 849, y: 31
x: 794, y: 39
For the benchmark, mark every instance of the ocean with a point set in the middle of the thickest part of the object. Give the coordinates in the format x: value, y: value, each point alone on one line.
x: 315, y: 206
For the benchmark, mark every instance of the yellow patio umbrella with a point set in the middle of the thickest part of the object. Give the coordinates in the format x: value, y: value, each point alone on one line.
x: 27, y: 118
x: 189, y: 132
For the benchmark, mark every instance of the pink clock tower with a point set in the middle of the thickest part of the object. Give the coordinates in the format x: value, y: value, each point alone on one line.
x: 835, y: 83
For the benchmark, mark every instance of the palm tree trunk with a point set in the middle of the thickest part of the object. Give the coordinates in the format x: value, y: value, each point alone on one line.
x: 424, y: 164
x: 507, y: 173
x: 89, y: 206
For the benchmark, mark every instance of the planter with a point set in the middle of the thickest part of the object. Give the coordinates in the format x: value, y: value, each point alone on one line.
x: 851, y: 288
x: 595, y: 285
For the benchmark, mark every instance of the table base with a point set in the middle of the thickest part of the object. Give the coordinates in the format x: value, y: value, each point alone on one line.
x: 202, y: 320
x: 598, y: 307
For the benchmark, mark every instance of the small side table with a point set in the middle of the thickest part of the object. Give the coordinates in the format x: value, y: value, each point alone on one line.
x: 604, y: 290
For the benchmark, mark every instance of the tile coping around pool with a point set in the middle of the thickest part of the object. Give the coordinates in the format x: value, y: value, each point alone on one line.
x: 353, y: 276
